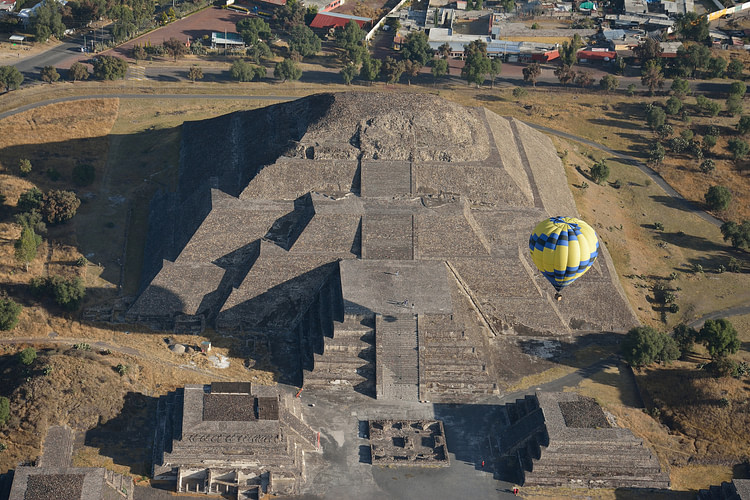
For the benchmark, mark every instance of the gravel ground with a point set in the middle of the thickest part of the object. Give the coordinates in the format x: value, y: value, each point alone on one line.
x: 583, y: 414
x: 54, y: 486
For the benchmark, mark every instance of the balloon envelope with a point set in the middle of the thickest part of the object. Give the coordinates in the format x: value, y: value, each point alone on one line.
x: 563, y: 249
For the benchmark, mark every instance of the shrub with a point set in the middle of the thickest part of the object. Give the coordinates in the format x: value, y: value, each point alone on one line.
x: 520, y: 92
x: 658, y: 226
x: 110, y: 68
x: 81, y: 262
x: 82, y: 346
x: 83, y: 174
x: 643, y: 345
x: 122, y: 369
x: 59, y: 206
x: 49, y: 74
x: 67, y: 293
x: 631, y: 89
x: 673, y: 106
x: 27, y: 356
x: 718, y: 198
x: 719, y: 337
x: 599, y: 171
x: 738, y: 148
x: 734, y: 265
x: 707, y: 166
x: 78, y: 71
x: 9, y: 312
x: 655, y: 117
x: 30, y: 200
x: 24, y: 165
x: 709, y: 141
x: 4, y: 410
x: 743, y: 126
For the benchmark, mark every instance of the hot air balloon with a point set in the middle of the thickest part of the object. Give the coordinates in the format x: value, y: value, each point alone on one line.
x: 563, y: 249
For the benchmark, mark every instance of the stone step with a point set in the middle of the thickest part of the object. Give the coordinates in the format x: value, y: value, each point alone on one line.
x: 342, y: 382
x: 594, y: 462
x: 355, y: 351
x: 332, y: 362
x: 606, y: 449
x: 365, y: 334
x: 655, y: 482
x: 472, y: 378
x: 459, y: 388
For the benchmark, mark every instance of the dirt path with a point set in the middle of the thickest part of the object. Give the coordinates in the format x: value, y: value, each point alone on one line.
x: 101, y: 345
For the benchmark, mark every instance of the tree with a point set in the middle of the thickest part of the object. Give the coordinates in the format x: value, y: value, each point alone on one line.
x: 138, y: 53
x: 684, y: 337
x: 643, y: 345
x: 78, y: 71
x: 175, y: 48
x: 734, y: 104
x: 496, y: 66
x: 47, y: 21
x: 303, y: 41
x: 718, y: 198
x: 716, y: 67
x: 735, y: 68
x: 291, y: 14
x: 743, y: 127
x: 707, y: 166
x: 24, y: 166
x: 350, y: 38
x: 565, y: 74
x: 652, y: 76
x: 737, y: 88
x: 26, y: 246
x: 508, y: 5
x: 692, y: 58
x: 67, y: 293
x: 680, y: 87
x: 49, y: 74
x: 599, y: 171
x: 439, y: 68
x: 258, y: 51
x: 195, y: 73
x: 656, y: 153
x: 584, y: 79
x: 370, y: 68
x: 416, y: 48
x: 30, y: 199
x: 411, y: 68
x: 84, y: 174
x: 609, y: 83
x: 392, y: 70
x: 349, y: 72
x: 477, y: 63
x: 110, y: 68
x: 738, y: 148
x: 253, y: 29
x: 10, y: 78
x: 719, y: 337
x: 59, y: 206
x: 569, y: 50
x: 9, y: 312
x: 738, y: 233
x: 673, y: 106
x: 692, y: 26
x: 531, y: 73
x: 27, y: 356
x: 287, y: 70
x: 648, y: 50
x: 655, y: 117
x: 444, y: 50
x: 245, y: 72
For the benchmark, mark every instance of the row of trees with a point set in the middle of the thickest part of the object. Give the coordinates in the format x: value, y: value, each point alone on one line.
x: 644, y: 345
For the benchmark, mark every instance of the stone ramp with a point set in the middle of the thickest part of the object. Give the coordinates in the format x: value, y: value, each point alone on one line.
x: 385, y: 179
x: 58, y: 447
x: 397, y: 359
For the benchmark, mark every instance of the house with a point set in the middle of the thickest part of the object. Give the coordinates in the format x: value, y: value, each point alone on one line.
x: 636, y: 6
x: 460, y: 4
x: 325, y: 20
x: 7, y: 5
x: 596, y: 55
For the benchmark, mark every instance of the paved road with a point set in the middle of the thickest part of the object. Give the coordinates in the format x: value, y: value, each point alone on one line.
x: 31, y: 66
x: 724, y: 313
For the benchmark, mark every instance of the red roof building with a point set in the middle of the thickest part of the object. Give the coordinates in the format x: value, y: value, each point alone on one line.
x: 335, y: 20
x: 597, y: 55
x: 546, y: 56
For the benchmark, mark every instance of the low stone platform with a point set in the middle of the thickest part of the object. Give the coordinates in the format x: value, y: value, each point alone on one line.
x: 419, y: 443
x: 563, y: 439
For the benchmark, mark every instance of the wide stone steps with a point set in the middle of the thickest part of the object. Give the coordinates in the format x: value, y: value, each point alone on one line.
x: 365, y: 334
x: 440, y: 377
x: 651, y: 481
x: 458, y: 387
x: 604, y: 448
x: 439, y: 363
x: 601, y: 462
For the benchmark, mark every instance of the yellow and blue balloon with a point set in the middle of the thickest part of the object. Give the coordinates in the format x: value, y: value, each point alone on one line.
x: 563, y: 249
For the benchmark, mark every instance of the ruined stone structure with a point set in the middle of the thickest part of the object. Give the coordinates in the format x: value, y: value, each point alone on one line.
x: 412, y: 443
x: 373, y: 241
x: 231, y: 438
x: 736, y: 489
x: 55, y: 479
x: 563, y: 439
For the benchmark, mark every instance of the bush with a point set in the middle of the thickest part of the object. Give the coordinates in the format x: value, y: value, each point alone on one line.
x: 737, y: 88
x: 9, y: 312
x: 67, y: 293
x: 520, y: 92
x: 59, y: 206
x: 655, y: 117
x: 658, y: 226
x: 83, y: 174
x: 643, y: 345
x: 719, y: 337
x: 733, y: 265
x: 78, y: 71
x: 709, y: 141
x: 722, y: 367
x: 110, y: 68
x: 4, y: 410
x: 738, y: 148
x: 27, y: 356
x: 24, y: 165
x: 122, y: 369
x: 29, y: 200
x: 599, y: 171
x: 49, y: 74
x: 743, y: 126
x: 718, y: 198
x: 82, y: 346
x: 685, y: 337
x: 707, y: 166
x: 673, y: 106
